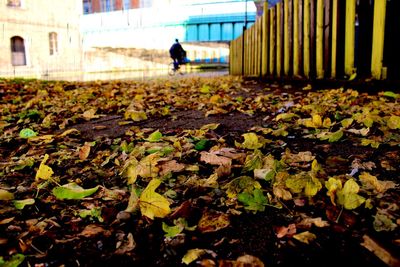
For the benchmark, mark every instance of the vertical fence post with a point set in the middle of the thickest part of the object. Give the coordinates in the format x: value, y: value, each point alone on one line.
x: 286, y: 38
x: 378, y: 38
x: 264, y: 49
x: 306, y: 42
x: 349, y: 37
x: 272, y: 41
x: 295, y: 37
x: 319, y: 39
x: 334, y: 36
x: 278, y: 39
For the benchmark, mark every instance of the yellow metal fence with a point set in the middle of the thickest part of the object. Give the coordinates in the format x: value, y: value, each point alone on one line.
x: 314, y: 39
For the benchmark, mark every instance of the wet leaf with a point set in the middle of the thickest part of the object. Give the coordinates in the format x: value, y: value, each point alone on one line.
x: 153, y: 204
x: 20, y: 204
x: 73, y: 191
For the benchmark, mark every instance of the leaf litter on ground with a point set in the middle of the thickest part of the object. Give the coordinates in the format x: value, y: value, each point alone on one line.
x: 275, y: 161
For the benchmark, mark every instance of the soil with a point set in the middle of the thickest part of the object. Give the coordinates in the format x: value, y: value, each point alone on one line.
x: 338, y: 244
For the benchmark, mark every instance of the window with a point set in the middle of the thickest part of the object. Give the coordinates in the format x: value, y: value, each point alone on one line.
x: 107, y: 5
x: 18, y: 51
x: 87, y: 7
x: 127, y: 4
x: 14, y: 3
x: 53, y: 43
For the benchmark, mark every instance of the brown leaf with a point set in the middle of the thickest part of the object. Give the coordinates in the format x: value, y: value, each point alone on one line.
x: 84, y: 151
x: 283, y: 231
x: 93, y: 230
x: 213, y: 221
x: 213, y: 159
x: 170, y: 166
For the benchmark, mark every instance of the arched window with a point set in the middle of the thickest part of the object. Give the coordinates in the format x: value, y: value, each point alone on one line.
x: 18, y: 51
x: 53, y: 43
x: 14, y: 3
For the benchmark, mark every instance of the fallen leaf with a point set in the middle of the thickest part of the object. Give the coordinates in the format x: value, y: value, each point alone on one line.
x: 5, y: 195
x: 305, y: 237
x: 192, y: 255
x: 20, y: 204
x: 283, y: 231
x: 44, y: 172
x: 213, y: 221
x: 72, y: 191
x: 153, y: 204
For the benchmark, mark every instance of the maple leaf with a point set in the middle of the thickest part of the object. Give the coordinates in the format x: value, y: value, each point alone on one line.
x: 153, y: 204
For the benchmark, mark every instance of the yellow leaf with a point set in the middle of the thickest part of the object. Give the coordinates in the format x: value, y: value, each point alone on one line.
x: 305, y: 237
x: 192, y: 254
x: 394, y: 122
x: 251, y: 141
x: 153, y: 204
x: 370, y: 181
x: 5, y: 195
x: 333, y: 185
x: 348, y: 196
x: 44, y: 172
x: 316, y: 120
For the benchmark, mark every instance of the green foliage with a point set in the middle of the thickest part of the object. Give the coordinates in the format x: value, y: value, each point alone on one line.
x: 254, y: 201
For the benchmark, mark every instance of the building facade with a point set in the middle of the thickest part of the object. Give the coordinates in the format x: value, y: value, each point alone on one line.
x: 40, y: 37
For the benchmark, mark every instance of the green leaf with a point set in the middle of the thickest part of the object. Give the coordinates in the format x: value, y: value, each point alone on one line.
x: 202, y: 145
x: 20, y: 204
x: 254, y: 202
x: 155, y: 136
x: 95, y: 213
x: 205, y: 89
x: 15, y: 261
x: 172, y: 231
x: 73, y: 191
x: 390, y: 94
x: 27, y: 133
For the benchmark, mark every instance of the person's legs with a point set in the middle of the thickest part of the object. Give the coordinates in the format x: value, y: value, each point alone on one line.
x: 176, y: 64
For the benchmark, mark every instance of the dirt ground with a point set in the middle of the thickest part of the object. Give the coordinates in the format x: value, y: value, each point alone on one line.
x: 249, y: 233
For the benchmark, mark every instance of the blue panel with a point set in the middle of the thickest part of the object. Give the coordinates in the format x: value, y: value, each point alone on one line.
x: 204, y: 34
x: 238, y: 29
x: 191, y: 33
x: 227, y: 31
x: 215, y: 32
